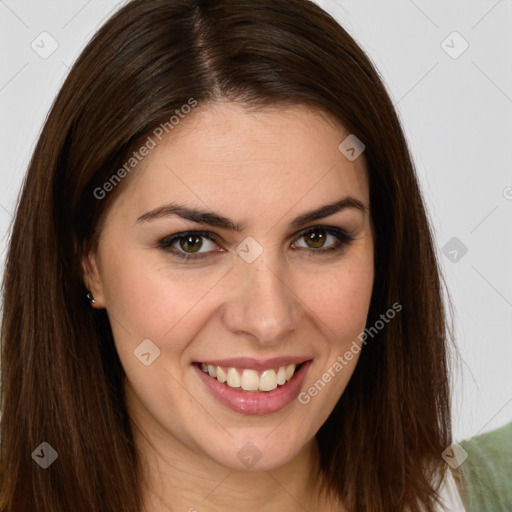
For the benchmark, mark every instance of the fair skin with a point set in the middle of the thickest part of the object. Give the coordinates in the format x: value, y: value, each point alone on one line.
x: 261, y: 170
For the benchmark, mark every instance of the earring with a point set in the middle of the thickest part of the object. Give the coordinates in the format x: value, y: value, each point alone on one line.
x: 90, y: 298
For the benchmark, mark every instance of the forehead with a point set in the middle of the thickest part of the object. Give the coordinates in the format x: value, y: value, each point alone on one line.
x: 224, y: 154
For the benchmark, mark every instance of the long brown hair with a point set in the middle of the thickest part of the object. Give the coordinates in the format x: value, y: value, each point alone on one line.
x: 61, y: 376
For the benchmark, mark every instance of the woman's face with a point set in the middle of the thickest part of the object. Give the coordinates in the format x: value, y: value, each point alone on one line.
x: 260, y: 291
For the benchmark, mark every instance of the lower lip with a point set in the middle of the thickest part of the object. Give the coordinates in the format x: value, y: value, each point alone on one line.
x: 254, y: 402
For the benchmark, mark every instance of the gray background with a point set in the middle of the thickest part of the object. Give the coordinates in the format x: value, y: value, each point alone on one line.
x: 456, y: 108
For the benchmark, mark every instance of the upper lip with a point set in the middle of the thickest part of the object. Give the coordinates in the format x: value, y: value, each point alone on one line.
x: 256, y: 364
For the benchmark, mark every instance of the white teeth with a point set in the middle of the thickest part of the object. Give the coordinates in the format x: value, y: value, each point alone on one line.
x: 249, y: 379
x: 268, y: 380
x: 281, y: 376
x: 221, y: 374
x: 290, y: 370
x: 233, y: 378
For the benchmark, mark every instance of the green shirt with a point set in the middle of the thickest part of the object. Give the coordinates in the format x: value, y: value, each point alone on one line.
x: 485, y: 480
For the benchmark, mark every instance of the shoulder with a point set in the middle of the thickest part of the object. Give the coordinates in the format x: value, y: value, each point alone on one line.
x: 485, y: 476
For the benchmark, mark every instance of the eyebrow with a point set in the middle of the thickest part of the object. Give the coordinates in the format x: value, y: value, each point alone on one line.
x: 219, y: 221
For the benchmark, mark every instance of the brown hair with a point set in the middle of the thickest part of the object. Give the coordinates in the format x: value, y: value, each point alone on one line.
x: 61, y: 376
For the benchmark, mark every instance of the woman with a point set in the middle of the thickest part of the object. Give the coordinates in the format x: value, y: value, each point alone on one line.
x: 228, y: 185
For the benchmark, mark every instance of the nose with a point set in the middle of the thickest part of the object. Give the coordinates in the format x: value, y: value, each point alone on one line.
x: 263, y: 304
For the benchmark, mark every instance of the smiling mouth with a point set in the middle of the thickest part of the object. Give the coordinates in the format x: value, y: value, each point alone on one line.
x: 245, y: 379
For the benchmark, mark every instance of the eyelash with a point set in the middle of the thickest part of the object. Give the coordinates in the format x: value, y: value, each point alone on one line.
x: 343, y: 237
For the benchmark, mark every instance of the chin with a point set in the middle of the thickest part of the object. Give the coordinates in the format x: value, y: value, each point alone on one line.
x: 261, y: 450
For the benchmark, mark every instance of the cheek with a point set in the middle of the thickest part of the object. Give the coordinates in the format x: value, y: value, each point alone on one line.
x: 340, y: 299
x: 340, y: 302
x: 149, y: 299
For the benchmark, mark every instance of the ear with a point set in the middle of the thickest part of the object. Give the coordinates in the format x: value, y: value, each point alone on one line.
x: 92, y: 276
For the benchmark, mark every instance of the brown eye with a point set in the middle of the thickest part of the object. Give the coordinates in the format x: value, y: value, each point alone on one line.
x: 323, y: 239
x: 315, y: 239
x: 191, y: 243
